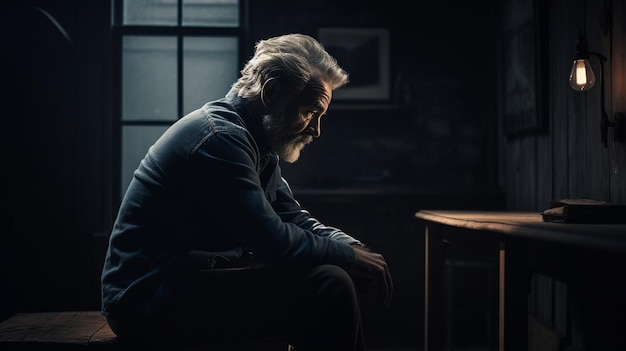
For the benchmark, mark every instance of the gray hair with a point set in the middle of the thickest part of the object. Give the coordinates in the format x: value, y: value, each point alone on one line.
x: 291, y: 59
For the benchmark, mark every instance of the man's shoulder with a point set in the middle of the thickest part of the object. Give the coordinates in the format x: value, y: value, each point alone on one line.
x: 222, y: 113
x: 197, y: 127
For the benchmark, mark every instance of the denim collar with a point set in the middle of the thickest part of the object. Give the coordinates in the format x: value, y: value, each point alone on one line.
x: 251, y: 122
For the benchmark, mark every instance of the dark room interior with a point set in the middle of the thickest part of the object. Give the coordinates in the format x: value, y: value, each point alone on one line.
x: 471, y: 110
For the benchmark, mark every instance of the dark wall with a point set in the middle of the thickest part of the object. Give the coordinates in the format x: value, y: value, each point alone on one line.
x: 53, y: 182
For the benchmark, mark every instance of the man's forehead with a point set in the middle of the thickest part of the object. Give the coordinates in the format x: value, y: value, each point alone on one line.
x: 316, y: 91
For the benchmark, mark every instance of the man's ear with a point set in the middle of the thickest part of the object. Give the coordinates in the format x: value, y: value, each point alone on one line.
x: 268, y: 92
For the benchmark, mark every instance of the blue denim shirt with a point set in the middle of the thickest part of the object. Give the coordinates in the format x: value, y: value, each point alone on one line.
x: 210, y: 183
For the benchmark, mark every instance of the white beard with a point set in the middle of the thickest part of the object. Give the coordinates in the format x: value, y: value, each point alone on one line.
x: 290, y: 152
x: 288, y: 147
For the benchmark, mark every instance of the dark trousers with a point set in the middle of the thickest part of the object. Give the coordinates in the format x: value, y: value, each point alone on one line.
x: 312, y: 308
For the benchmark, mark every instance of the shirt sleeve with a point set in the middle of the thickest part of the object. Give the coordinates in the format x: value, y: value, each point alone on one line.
x: 289, y: 209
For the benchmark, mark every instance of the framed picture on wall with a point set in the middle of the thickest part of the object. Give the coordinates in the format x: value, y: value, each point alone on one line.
x: 523, y: 67
x: 364, y: 54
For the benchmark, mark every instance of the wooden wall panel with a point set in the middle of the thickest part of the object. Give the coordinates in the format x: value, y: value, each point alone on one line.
x: 571, y: 161
x: 576, y: 104
x: 520, y: 169
x: 595, y: 184
x: 544, y: 172
x: 618, y: 103
x: 561, y: 100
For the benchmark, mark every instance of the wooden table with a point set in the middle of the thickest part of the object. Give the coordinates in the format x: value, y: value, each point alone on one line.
x: 522, y: 243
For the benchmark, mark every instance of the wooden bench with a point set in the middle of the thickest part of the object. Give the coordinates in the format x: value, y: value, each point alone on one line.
x: 83, y: 330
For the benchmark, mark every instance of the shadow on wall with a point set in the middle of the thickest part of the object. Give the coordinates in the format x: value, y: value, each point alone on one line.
x: 37, y: 166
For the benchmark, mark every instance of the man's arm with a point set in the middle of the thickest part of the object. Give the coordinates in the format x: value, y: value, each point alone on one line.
x: 290, y: 210
x: 369, y: 270
x: 226, y: 169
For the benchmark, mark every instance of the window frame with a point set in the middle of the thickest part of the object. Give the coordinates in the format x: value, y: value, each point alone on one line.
x: 180, y: 32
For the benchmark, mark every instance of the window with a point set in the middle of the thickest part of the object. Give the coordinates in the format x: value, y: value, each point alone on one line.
x: 174, y: 55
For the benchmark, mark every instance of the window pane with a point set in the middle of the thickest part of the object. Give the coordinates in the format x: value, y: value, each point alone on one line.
x: 210, y: 67
x: 150, y: 12
x: 214, y: 13
x: 149, y: 79
x: 135, y: 143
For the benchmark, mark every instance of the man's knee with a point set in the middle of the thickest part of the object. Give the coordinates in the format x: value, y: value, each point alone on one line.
x: 332, y: 281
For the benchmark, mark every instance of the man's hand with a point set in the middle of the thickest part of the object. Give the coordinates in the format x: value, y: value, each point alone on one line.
x: 371, y: 274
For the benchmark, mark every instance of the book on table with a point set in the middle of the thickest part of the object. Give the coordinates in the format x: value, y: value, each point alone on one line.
x: 584, y: 211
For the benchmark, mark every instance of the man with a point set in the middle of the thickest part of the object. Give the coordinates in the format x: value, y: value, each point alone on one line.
x: 209, y: 243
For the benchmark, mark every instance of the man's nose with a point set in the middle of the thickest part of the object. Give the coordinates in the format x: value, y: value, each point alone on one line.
x: 315, y: 125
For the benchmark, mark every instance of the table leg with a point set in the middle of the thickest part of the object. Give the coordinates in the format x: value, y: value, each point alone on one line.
x: 513, y: 298
x: 433, y: 290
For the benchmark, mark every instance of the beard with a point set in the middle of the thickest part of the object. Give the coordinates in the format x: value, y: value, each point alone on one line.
x: 282, y: 140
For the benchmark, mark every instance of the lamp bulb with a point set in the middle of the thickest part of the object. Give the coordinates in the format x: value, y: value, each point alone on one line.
x: 581, y: 77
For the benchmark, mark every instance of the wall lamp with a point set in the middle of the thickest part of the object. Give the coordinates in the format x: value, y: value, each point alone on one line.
x: 582, y: 78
